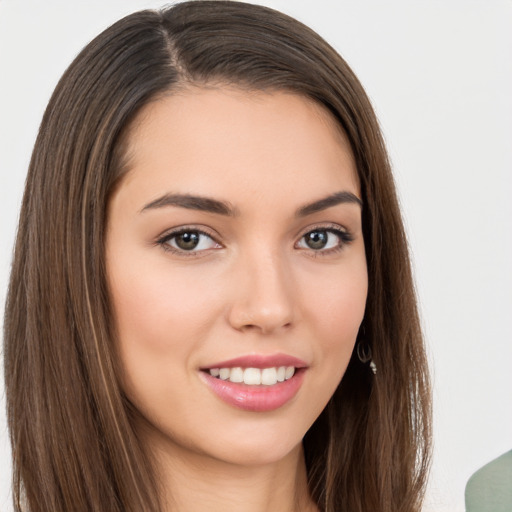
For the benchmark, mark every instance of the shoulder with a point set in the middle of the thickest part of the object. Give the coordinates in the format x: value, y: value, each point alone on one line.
x: 490, y: 488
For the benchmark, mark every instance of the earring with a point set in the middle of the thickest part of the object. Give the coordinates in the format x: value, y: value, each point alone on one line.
x: 364, y: 354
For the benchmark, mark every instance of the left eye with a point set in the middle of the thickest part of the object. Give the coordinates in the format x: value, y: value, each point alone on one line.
x: 190, y: 240
x: 321, y: 239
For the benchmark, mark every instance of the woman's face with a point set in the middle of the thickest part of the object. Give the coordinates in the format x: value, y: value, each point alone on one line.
x: 237, y: 270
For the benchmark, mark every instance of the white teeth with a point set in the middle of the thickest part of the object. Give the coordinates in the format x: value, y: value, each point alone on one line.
x: 269, y: 376
x: 224, y: 373
x: 254, y: 376
x: 237, y: 375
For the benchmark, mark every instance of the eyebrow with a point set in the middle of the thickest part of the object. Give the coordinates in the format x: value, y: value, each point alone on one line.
x: 191, y: 202
x: 207, y: 204
x: 328, y: 202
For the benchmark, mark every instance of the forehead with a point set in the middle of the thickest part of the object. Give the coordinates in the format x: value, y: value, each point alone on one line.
x: 228, y: 141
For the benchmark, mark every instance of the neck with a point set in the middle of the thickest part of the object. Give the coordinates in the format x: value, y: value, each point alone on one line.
x: 194, y: 483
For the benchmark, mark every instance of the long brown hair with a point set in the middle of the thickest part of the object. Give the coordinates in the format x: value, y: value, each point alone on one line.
x: 71, y: 427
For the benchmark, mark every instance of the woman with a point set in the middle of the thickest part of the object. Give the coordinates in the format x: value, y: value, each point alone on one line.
x: 180, y: 333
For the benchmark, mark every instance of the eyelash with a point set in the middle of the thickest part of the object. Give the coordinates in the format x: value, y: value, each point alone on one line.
x: 166, y: 238
x: 343, y: 235
x: 344, y: 239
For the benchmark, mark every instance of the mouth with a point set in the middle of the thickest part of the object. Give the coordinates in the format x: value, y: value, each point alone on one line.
x: 254, y: 376
x: 256, y: 383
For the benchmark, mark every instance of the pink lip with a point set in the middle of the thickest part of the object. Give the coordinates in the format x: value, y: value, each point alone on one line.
x: 255, y: 398
x: 260, y: 361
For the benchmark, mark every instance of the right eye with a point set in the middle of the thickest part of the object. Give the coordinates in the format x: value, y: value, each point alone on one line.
x: 188, y: 241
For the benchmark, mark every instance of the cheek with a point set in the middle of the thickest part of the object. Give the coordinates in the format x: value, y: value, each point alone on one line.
x: 339, y: 301
x: 336, y: 314
x: 156, y: 306
x: 162, y: 317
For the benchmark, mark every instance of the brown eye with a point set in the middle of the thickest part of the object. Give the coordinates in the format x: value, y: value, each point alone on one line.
x: 316, y: 239
x: 187, y: 241
x: 324, y: 240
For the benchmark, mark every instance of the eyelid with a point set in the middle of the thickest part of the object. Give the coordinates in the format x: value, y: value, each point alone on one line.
x: 346, y: 237
x: 167, y: 235
x: 326, y: 226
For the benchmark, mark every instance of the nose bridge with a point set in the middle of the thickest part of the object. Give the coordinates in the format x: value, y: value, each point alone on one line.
x: 264, y: 298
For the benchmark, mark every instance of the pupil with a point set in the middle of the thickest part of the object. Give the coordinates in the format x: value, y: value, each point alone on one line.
x: 317, y: 239
x: 187, y: 241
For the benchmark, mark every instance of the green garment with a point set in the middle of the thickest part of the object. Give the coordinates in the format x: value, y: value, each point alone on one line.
x: 490, y: 488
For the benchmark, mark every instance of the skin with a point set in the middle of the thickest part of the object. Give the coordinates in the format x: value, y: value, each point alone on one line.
x: 254, y: 287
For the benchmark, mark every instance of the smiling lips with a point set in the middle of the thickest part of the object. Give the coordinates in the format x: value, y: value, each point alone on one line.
x: 254, y: 376
x: 256, y: 383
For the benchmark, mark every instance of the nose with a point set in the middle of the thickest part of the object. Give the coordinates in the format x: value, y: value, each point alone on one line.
x: 263, y: 295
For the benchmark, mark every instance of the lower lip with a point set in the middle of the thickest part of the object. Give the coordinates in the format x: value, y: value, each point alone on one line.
x: 255, y: 398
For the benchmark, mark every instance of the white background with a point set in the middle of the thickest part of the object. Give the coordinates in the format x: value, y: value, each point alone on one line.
x: 440, y: 76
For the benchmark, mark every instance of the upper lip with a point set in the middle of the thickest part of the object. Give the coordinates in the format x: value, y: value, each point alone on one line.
x: 259, y: 361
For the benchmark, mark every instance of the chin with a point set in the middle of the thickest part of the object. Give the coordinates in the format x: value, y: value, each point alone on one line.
x: 257, y: 443
x: 258, y: 454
